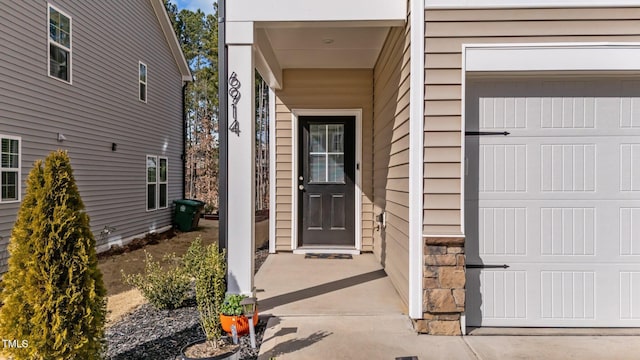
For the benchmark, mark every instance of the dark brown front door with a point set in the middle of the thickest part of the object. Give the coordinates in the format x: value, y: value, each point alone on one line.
x: 326, y: 180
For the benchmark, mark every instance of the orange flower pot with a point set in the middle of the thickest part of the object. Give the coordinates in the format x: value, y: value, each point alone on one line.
x: 241, y: 322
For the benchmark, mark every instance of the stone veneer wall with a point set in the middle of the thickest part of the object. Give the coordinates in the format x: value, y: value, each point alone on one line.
x: 444, y: 286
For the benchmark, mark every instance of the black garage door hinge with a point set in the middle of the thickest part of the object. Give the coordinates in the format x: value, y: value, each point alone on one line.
x: 486, y: 133
x: 484, y: 266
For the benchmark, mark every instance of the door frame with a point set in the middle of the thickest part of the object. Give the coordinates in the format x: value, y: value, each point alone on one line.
x: 295, y: 114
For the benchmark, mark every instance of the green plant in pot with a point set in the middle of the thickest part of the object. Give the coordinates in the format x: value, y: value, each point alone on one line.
x: 232, y: 313
x: 207, y: 265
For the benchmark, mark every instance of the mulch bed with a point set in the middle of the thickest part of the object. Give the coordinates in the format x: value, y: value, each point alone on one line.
x: 148, y: 333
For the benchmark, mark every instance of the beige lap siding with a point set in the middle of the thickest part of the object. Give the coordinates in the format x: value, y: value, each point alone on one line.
x: 321, y: 89
x: 391, y: 157
x: 446, y: 32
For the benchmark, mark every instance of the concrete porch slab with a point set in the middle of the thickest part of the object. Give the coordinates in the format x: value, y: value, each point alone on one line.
x: 290, y: 285
x: 340, y: 309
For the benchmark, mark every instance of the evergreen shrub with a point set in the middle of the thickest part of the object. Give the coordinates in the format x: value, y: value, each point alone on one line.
x: 53, y: 295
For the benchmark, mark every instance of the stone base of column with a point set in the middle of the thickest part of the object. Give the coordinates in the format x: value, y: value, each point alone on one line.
x: 443, y: 285
x: 439, y: 324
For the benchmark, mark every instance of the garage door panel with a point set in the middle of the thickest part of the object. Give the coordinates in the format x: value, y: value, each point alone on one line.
x: 567, y: 294
x: 504, y: 295
x: 557, y: 295
x: 581, y: 167
x: 557, y: 202
x: 568, y: 230
x: 630, y: 295
x: 505, y: 168
x: 629, y: 231
x: 568, y: 167
x: 531, y: 228
x: 630, y: 167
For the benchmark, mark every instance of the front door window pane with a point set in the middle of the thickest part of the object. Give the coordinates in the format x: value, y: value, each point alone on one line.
x: 317, y: 168
x: 318, y: 138
x: 336, y: 168
x: 336, y: 138
x: 326, y: 153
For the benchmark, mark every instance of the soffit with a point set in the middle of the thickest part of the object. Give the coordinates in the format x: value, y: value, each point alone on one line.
x: 325, y: 45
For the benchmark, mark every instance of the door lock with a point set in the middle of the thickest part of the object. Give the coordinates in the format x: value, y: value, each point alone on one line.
x: 301, y: 187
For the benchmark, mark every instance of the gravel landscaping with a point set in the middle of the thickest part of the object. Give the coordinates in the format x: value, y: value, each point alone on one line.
x: 148, y: 333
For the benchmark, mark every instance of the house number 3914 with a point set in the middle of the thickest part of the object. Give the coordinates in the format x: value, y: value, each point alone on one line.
x: 234, y: 93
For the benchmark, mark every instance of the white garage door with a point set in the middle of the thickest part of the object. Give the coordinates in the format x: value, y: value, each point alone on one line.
x: 553, y: 208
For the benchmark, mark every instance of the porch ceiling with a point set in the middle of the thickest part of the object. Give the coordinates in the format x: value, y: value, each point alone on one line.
x: 325, y: 45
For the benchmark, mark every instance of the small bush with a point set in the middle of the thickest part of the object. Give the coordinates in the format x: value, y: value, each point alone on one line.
x: 208, y: 266
x: 194, y: 257
x: 163, y: 288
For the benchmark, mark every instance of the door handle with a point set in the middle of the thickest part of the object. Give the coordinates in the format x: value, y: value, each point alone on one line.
x: 301, y: 187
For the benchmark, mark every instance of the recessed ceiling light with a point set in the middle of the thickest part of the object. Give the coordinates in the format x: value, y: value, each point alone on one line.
x: 327, y: 41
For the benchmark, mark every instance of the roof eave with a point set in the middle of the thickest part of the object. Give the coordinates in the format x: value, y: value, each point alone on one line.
x: 172, y: 39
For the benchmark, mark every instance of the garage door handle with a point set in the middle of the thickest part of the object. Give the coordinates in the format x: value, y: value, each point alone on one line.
x: 486, y: 133
x: 485, y: 266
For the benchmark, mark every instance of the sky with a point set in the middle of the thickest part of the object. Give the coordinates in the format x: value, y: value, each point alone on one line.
x: 205, y: 5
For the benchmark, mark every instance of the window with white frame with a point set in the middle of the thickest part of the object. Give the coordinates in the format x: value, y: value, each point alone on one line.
x: 9, y: 169
x: 59, y: 45
x: 142, y: 81
x: 157, y: 182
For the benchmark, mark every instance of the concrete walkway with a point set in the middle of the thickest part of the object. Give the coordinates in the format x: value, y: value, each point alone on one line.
x: 348, y: 309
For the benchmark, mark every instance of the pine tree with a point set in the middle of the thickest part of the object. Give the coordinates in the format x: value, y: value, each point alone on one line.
x: 53, y: 295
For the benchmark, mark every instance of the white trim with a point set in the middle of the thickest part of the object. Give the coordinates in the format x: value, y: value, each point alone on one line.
x: 307, y: 11
x: 117, y: 240
x: 416, y: 161
x: 295, y: 113
x: 241, y: 174
x: 239, y: 32
x: 497, y: 4
x: 294, y: 180
x: 452, y: 236
x: 463, y: 323
x: 463, y: 127
x: 551, y: 57
x: 49, y: 41
x: 157, y: 182
x: 272, y: 171
x: 266, y: 60
x: 18, y: 169
x: 145, y: 82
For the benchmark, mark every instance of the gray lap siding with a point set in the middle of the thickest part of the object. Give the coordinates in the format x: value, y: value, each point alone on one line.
x: 98, y: 108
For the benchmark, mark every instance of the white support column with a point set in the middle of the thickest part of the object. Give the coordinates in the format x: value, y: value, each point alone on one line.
x: 241, y: 171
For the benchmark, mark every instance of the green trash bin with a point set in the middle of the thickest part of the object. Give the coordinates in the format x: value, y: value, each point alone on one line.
x: 187, y: 214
